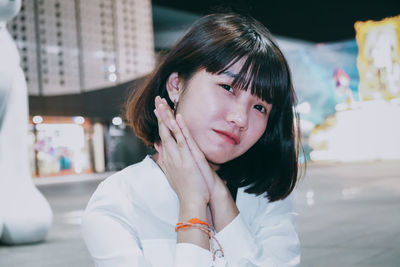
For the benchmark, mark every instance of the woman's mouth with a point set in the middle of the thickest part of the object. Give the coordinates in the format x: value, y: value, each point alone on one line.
x: 228, y: 137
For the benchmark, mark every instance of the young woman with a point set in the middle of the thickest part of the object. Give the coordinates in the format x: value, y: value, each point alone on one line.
x: 219, y: 110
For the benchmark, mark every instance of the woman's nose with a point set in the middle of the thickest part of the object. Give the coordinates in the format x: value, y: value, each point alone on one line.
x: 238, y: 115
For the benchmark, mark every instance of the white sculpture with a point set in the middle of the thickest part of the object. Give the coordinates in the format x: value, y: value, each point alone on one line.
x: 25, y: 215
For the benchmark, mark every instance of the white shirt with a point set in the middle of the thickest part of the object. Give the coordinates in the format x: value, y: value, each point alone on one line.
x: 130, y: 221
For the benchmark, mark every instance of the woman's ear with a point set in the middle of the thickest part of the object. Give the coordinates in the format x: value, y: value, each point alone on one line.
x: 174, y: 87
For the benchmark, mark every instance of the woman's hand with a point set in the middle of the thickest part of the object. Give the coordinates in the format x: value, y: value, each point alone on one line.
x: 182, y: 173
x: 211, y: 178
x: 223, y: 207
x: 176, y: 159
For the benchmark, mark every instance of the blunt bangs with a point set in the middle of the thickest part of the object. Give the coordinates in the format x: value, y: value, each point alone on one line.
x: 265, y: 75
x: 265, y: 71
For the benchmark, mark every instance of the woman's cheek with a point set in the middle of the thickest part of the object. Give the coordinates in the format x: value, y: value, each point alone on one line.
x: 260, y: 126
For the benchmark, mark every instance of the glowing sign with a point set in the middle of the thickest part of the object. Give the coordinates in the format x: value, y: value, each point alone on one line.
x: 379, y: 58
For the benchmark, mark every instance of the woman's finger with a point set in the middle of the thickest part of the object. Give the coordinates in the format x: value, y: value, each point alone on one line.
x: 182, y: 136
x: 197, y: 154
x: 168, y: 142
x: 159, y: 149
x: 187, y: 146
x: 169, y: 129
x: 164, y: 111
x: 167, y: 117
x: 176, y: 132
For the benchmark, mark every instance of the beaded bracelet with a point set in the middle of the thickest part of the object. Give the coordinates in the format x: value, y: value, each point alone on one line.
x: 205, y: 227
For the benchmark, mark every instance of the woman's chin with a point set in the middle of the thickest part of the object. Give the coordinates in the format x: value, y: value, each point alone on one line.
x: 217, y: 159
x: 217, y: 155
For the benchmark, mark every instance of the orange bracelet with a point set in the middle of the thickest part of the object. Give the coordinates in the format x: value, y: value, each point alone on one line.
x: 195, y: 221
x: 205, y: 227
x: 198, y: 221
x: 180, y: 225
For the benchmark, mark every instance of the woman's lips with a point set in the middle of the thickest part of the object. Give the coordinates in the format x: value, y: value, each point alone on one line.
x: 228, y: 137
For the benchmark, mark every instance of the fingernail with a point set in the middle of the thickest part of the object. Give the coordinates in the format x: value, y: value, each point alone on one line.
x: 179, y: 118
x: 173, y: 124
x: 156, y: 113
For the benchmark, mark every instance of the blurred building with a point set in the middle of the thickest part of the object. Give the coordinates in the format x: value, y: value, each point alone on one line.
x: 81, y: 59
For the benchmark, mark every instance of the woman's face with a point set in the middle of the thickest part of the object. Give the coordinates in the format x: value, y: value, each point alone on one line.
x: 225, y: 122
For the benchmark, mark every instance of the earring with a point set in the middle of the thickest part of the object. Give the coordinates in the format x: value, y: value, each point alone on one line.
x: 175, y: 106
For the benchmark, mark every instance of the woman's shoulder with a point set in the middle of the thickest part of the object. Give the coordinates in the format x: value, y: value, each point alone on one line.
x: 117, y: 187
x: 254, y: 206
x: 262, y: 199
x: 134, y: 173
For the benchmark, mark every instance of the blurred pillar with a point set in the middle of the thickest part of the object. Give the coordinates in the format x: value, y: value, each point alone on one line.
x: 25, y: 215
x: 98, y: 148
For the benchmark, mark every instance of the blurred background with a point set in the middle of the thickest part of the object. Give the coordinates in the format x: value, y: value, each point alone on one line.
x: 83, y: 58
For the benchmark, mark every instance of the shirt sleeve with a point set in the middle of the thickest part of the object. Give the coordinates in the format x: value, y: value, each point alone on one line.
x: 109, y: 243
x: 271, y: 241
x: 188, y: 254
x: 112, y: 240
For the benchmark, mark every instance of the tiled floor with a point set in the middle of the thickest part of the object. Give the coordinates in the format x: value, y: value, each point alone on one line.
x: 349, y: 215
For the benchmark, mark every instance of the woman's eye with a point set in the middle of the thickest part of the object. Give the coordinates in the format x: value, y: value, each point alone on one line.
x: 227, y: 87
x: 260, y: 108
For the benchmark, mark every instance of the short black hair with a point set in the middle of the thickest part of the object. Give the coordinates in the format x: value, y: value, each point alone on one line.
x: 215, y: 43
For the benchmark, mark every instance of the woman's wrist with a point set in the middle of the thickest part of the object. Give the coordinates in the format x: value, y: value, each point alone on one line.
x: 187, y: 211
x: 191, y: 209
x: 223, y: 207
x: 219, y: 191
